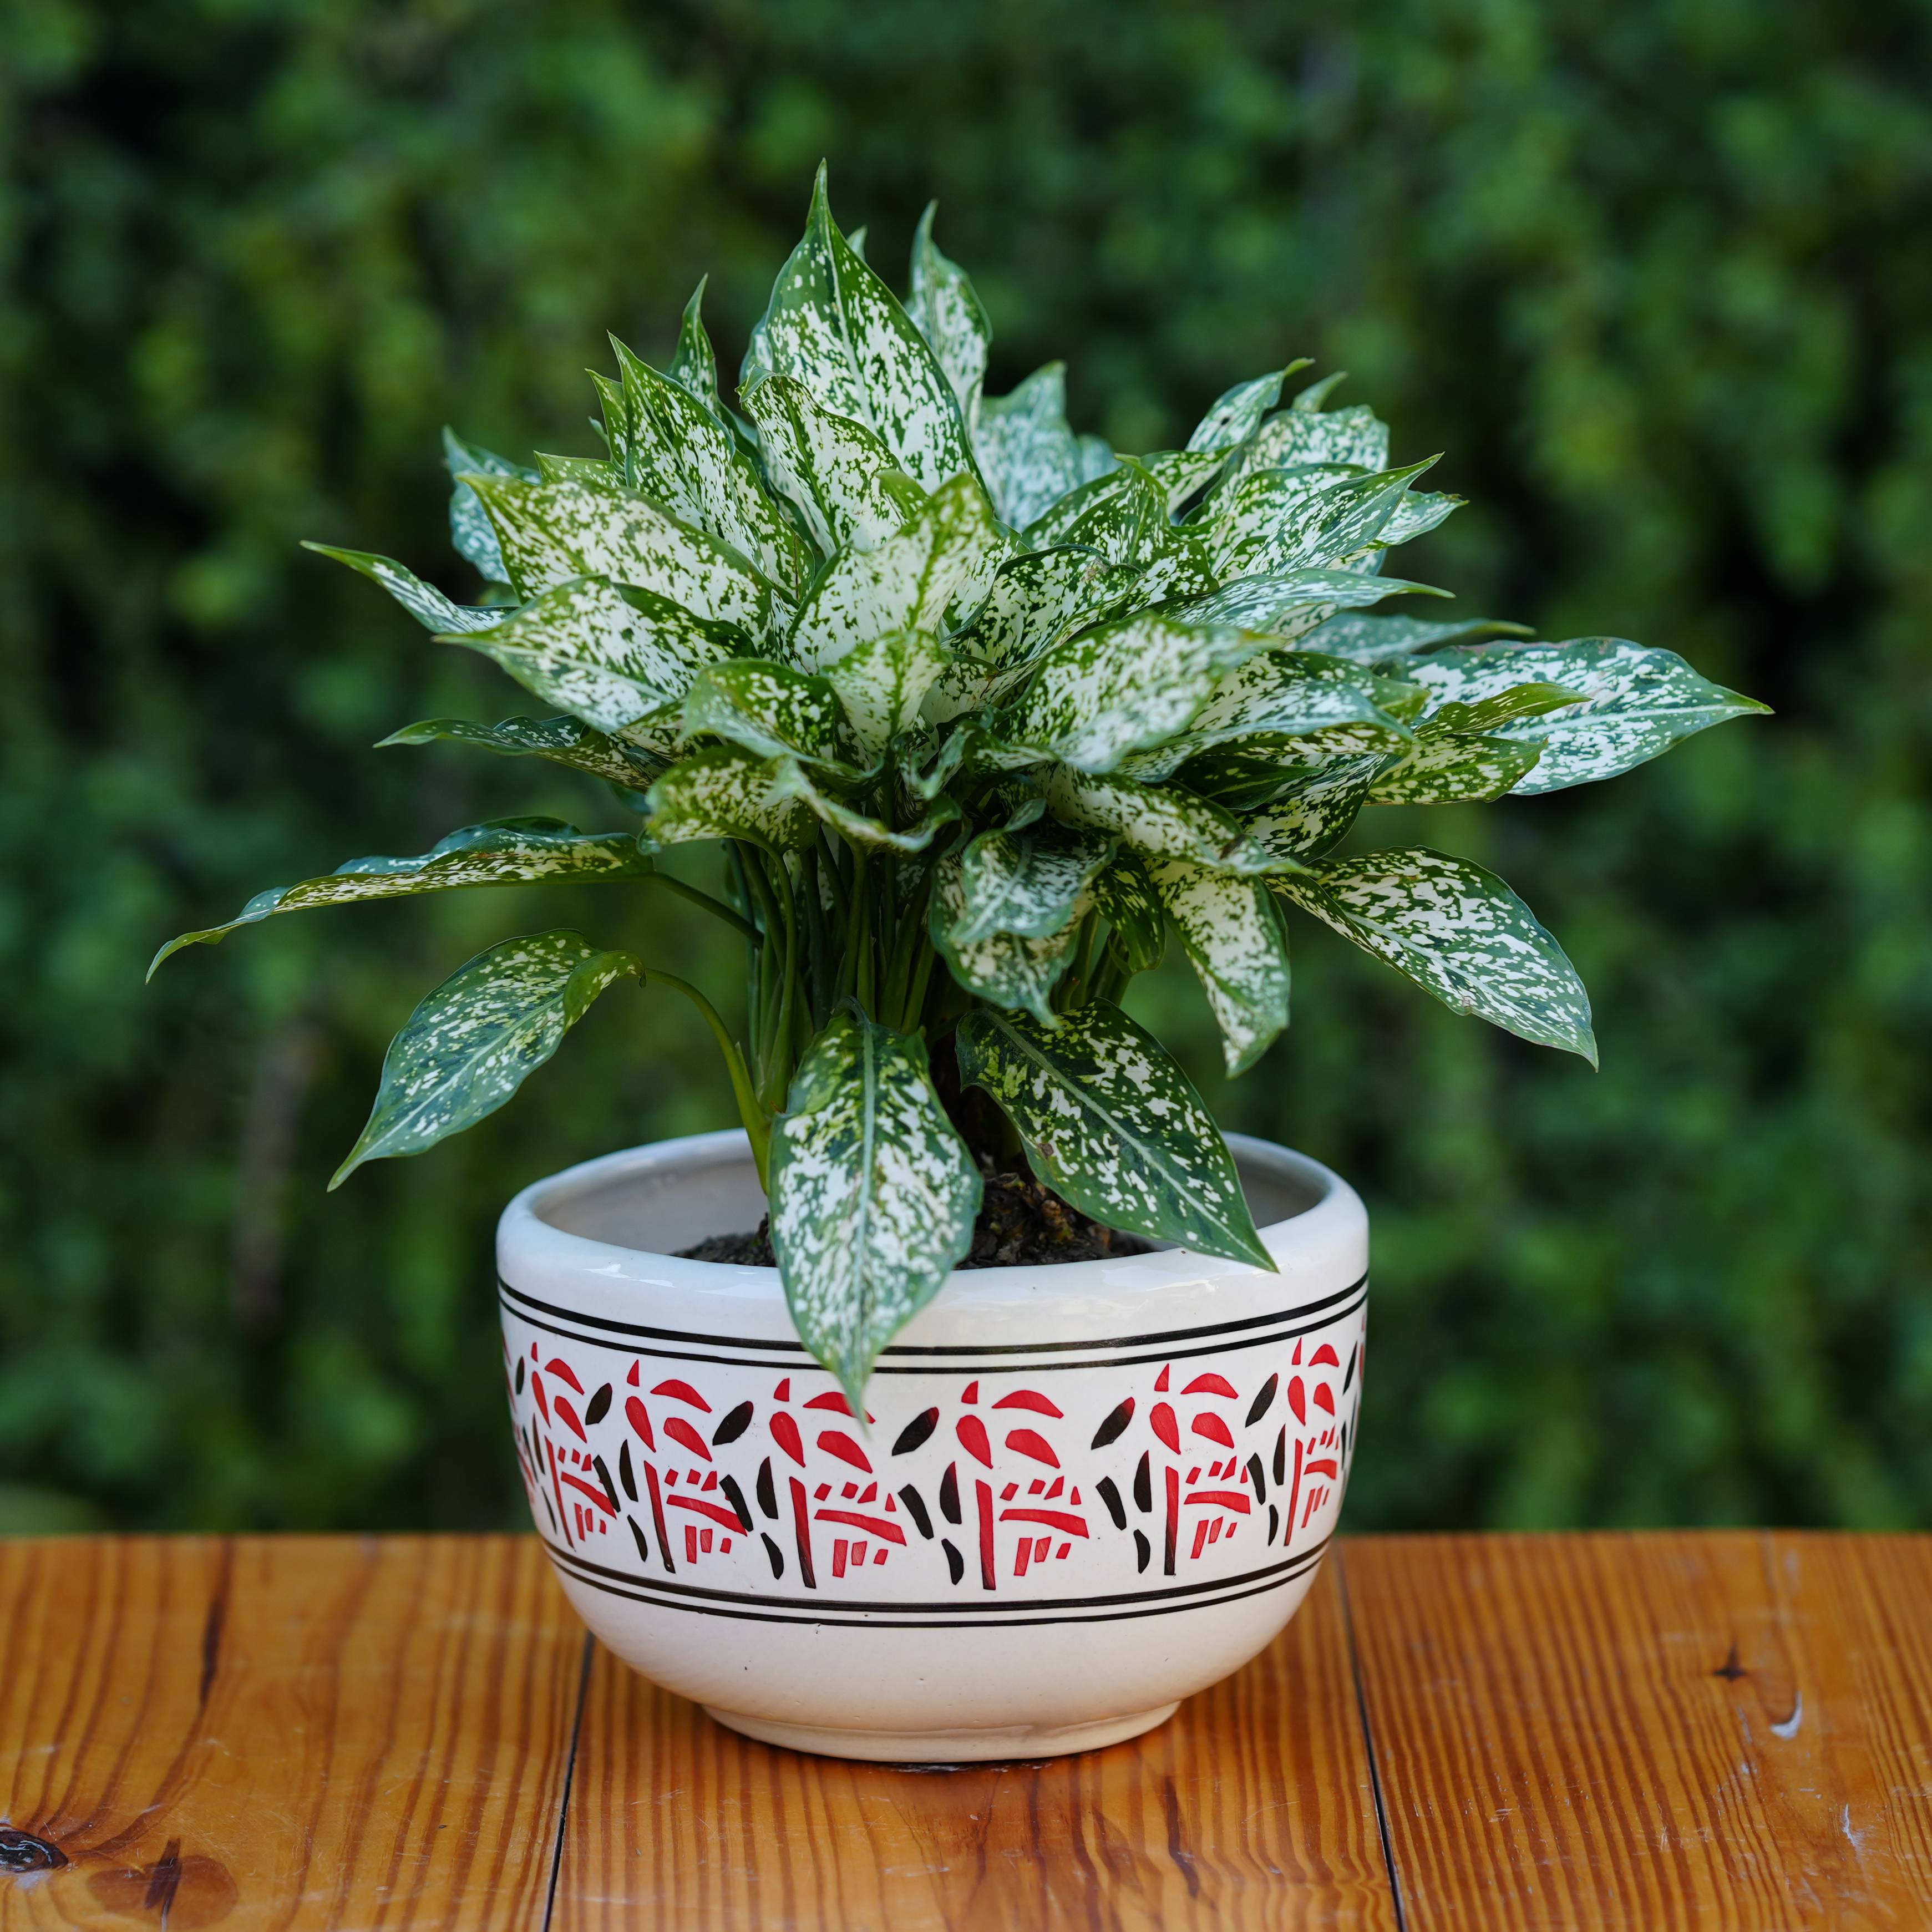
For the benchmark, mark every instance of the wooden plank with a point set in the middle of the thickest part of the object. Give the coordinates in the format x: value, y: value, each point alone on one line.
x: 1252, y: 1808
x: 1671, y: 1730
x: 286, y: 1731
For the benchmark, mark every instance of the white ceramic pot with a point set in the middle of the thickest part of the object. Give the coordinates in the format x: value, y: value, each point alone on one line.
x: 1085, y: 1491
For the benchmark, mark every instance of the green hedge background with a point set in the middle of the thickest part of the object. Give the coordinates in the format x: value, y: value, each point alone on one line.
x: 1653, y: 272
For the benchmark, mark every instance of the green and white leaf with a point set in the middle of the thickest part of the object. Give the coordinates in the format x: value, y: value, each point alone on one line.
x: 873, y: 1194
x: 770, y: 710
x: 1182, y: 474
x: 790, y: 782
x: 681, y: 456
x: 1454, y: 768
x: 478, y: 1036
x: 1162, y: 821
x: 1299, y: 437
x: 1124, y: 686
x: 551, y: 532
x: 1025, y: 879
x: 883, y: 682
x: 1312, y: 812
x: 1248, y: 774
x: 1281, y: 695
x: 1638, y: 702
x: 1010, y: 969
x: 843, y: 479
x: 1272, y: 525
x: 1123, y: 514
x: 1460, y: 933
x: 1294, y: 604
x: 836, y: 327
x: 620, y: 659
x: 1113, y: 1126
x: 423, y: 602
x: 1124, y: 892
x: 1028, y: 454
x: 947, y: 554
x: 693, y: 365
x: 502, y: 852
x: 1417, y: 513
x: 1040, y: 596
x: 1237, y: 414
x: 563, y: 741
x: 469, y: 527
x: 1234, y: 939
x: 1369, y: 639
x: 946, y: 311
x: 724, y: 793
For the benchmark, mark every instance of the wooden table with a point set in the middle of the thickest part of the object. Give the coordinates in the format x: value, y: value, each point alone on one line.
x: 1657, y: 1731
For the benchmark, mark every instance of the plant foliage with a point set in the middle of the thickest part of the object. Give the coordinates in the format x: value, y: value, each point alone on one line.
x: 979, y: 709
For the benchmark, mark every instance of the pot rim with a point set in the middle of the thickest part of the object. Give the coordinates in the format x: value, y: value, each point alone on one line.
x: 1336, y: 1212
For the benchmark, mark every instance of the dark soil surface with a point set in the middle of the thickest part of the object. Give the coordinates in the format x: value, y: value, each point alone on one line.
x: 1021, y: 1223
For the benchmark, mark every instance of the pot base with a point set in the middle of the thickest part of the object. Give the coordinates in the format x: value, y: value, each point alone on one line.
x: 941, y: 1748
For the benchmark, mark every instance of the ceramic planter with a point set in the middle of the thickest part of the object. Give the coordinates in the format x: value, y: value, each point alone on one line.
x: 1082, y: 1492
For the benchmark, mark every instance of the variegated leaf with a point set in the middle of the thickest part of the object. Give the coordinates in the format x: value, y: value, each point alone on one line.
x: 681, y: 456
x: 1041, y: 596
x: 725, y: 792
x: 1162, y: 821
x: 1279, y: 694
x: 834, y: 325
x: 1311, y: 813
x: 1271, y: 526
x: 1123, y: 686
x: 1294, y: 604
x: 1248, y: 774
x: 770, y: 710
x: 470, y: 528
x: 947, y: 312
x: 1025, y: 879
x: 1007, y: 968
x: 843, y: 479
x: 1417, y: 513
x: 423, y: 602
x: 1237, y: 413
x: 551, y: 532
x: 563, y: 741
x: 1182, y: 474
x: 1095, y: 459
x: 1123, y: 514
x: 1125, y: 894
x: 478, y: 1036
x: 504, y: 852
x: 883, y: 682
x: 594, y: 472
x: 1638, y: 702
x: 1454, y: 768
x: 947, y: 554
x: 1366, y: 638
x: 791, y: 782
x: 1300, y: 438
x: 1459, y: 932
x: 873, y: 1194
x: 1234, y: 939
x: 1113, y: 1126
x: 693, y: 365
x: 1029, y: 456
x: 620, y: 659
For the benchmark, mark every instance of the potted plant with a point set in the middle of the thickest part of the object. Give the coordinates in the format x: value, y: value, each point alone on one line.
x: 975, y: 1397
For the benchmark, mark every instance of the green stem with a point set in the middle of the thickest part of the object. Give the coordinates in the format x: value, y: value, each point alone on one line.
x: 757, y: 1125
x: 715, y: 907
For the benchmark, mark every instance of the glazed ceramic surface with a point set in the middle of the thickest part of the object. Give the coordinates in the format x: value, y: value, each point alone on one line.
x: 1082, y: 1492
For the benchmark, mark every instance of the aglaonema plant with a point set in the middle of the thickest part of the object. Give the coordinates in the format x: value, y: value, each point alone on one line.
x: 980, y: 712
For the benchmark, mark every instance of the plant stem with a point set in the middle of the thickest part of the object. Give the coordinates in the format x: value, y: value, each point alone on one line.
x: 757, y: 1124
x: 715, y: 907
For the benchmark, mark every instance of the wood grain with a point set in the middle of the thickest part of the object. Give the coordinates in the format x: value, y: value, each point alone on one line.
x: 1252, y: 1808
x: 285, y: 1732
x: 1657, y: 1731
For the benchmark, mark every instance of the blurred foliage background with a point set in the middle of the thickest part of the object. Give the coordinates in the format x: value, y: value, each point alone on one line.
x: 1653, y: 272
